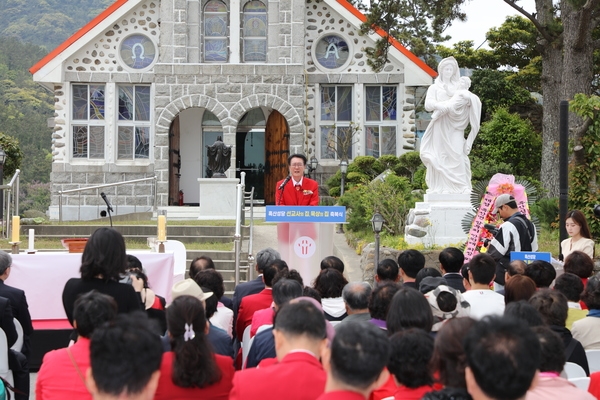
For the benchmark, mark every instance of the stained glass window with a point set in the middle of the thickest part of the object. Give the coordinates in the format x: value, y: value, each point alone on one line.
x: 332, y: 52
x: 381, y: 116
x: 255, y: 31
x: 215, y: 32
x: 88, y: 121
x: 137, y: 51
x: 336, y: 117
x: 133, y: 140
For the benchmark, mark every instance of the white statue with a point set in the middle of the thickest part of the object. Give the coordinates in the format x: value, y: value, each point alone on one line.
x: 444, y: 149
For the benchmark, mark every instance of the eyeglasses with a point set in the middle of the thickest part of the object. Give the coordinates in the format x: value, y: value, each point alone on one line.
x: 297, y: 165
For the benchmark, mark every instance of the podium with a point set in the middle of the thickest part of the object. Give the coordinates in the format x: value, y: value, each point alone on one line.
x: 305, y: 235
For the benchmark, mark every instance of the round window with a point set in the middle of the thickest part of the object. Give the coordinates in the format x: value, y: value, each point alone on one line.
x: 332, y: 52
x: 138, y: 51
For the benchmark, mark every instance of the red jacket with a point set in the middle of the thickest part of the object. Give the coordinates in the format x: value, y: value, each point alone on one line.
x: 341, y: 395
x: 306, y: 195
x: 248, y: 306
x: 298, y: 376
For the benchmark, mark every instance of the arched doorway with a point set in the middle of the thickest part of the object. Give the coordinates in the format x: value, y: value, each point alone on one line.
x: 250, y: 150
x: 277, y: 150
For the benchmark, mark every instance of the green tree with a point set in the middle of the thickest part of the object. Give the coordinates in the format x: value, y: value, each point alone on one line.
x: 14, y: 155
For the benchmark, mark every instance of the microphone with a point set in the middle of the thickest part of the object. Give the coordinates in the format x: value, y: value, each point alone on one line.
x: 108, y: 206
x: 285, y: 181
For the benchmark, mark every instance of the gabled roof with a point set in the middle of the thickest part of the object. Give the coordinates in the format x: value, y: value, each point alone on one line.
x: 80, y: 33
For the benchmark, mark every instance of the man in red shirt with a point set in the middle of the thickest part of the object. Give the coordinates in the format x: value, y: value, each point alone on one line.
x: 296, y: 189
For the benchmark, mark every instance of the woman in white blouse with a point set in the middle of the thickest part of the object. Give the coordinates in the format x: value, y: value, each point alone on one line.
x: 580, y: 238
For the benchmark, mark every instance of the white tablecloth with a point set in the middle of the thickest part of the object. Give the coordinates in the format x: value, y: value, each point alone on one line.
x: 43, y: 276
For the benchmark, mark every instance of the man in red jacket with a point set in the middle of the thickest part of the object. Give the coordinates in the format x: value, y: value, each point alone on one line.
x: 296, y: 189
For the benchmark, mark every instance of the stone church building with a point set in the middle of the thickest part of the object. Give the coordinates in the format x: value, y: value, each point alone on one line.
x: 143, y: 88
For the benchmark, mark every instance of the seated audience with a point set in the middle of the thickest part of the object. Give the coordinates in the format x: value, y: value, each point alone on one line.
x: 312, y: 293
x: 103, y: 262
x: 572, y: 287
x: 61, y: 373
x: 356, y: 361
x: 552, y: 305
x: 445, y: 302
x: 191, y: 369
x: 451, y: 260
x: 577, y: 263
x: 483, y: 300
x: 17, y: 361
x: 503, y: 356
x: 223, y: 316
x: 464, y: 271
x: 221, y: 342
x: 515, y: 267
x: 524, y: 311
x: 379, y: 303
x: 409, y: 309
x: 198, y: 264
x: 330, y: 283
x: 387, y: 271
x: 427, y: 273
x: 519, y: 287
x: 300, y: 337
x: 356, y: 297
x: 409, y: 363
x: 125, y: 358
x: 153, y: 303
x: 542, y: 273
x: 332, y: 262
x: 449, y: 360
x: 410, y: 263
x: 586, y: 330
x: 550, y: 384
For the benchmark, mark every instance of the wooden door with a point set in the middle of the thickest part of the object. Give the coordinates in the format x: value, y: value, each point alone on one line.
x: 174, y: 162
x: 277, y: 150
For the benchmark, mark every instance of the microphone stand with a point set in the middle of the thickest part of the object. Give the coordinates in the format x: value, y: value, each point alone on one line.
x: 282, y: 188
x: 108, y: 208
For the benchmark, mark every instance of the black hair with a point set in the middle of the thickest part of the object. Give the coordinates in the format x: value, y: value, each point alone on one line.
x: 194, y: 364
x: 524, y: 311
x: 464, y: 271
x: 483, y: 268
x: 300, y: 318
x: 381, y: 299
x: 570, y: 285
x: 451, y: 259
x: 512, y: 204
x: 552, y: 305
x: 124, y: 353
x: 580, y: 264
x: 288, y: 274
x: 411, y: 262
x: 194, y: 268
x: 330, y: 283
x: 424, y: 273
x: 211, y: 303
x: 411, y: 354
x: 446, y: 301
x: 134, y: 263
x: 359, y: 353
x: 542, y: 273
x: 449, y: 358
x: 388, y: 270
x: 553, y: 357
x: 332, y: 262
x: 269, y: 273
x: 591, y: 293
x: 91, y: 310
x: 503, y: 355
x: 409, y: 309
x: 302, y: 156
x: 213, y: 280
x: 356, y: 295
x: 311, y: 292
x: 285, y: 290
x: 104, y: 255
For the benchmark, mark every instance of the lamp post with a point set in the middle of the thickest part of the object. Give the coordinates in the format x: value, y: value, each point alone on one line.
x: 2, y: 159
x: 343, y: 169
x: 377, y: 222
x: 312, y: 165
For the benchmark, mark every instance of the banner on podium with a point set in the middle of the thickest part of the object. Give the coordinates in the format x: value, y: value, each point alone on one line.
x: 324, y: 214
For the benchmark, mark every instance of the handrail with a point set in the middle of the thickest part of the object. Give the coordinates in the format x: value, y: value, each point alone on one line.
x: 8, y: 193
x: 237, y: 238
x: 250, y: 195
x: 97, y: 187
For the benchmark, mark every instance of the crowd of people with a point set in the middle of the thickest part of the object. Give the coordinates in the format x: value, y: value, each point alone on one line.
x: 456, y: 331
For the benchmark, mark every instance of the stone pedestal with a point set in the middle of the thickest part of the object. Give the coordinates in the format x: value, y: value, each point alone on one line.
x: 217, y: 198
x: 437, y: 220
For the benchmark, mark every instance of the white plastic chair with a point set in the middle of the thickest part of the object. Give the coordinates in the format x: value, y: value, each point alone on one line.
x: 581, y: 383
x: 262, y: 328
x: 572, y: 371
x: 246, y: 343
x: 593, y: 357
x: 5, y: 372
x: 18, y: 345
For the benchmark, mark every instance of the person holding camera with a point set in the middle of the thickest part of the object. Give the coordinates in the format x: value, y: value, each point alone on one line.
x: 517, y: 233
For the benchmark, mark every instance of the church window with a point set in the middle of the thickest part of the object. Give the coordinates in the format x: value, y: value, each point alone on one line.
x: 255, y: 32
x: 380, y: 120
x: 216, y: 48
x: 88, y: 121
x: 134, y: 122
x: 332, y: 52
x: 335, y: 122
x: 137, y: 51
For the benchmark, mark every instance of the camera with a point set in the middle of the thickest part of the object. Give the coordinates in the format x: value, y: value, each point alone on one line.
x: 126, y: 277
x: 597, y: 210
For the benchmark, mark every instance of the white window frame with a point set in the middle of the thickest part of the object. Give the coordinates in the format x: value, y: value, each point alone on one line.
x: 335, y: 123
x: 88, y: 123
x: 381, y: 122
x: 133, y: 123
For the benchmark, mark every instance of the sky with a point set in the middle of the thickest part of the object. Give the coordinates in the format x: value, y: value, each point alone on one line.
x: 481, y: 16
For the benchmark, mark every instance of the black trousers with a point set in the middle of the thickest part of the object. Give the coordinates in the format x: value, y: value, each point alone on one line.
x: 19, y: 366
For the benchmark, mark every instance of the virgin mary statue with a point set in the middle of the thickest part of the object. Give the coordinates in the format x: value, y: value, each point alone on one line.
x: 444, y: 149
